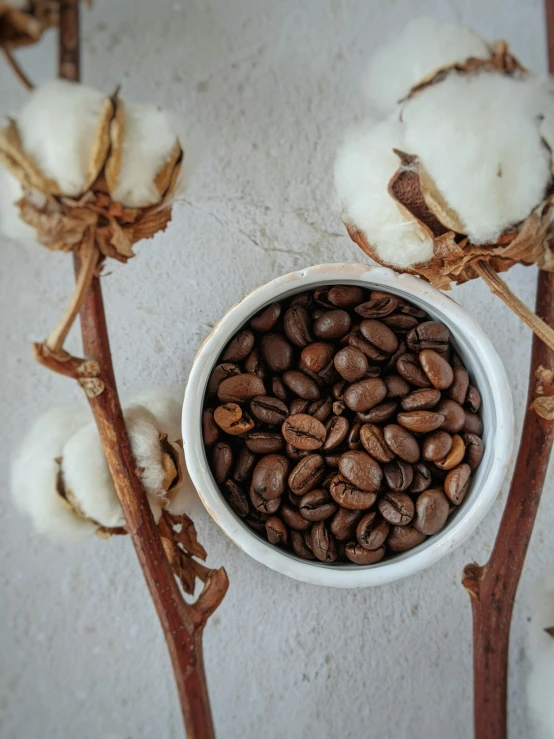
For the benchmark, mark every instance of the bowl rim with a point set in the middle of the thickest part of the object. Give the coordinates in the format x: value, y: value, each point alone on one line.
x: 499, y: 447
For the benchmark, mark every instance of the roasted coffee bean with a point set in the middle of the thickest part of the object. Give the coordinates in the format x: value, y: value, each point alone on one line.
x: 244, y: 466
x: 240, y: 388
x: 338, y: 389
x: 277, y: 352
x: 436, y: 446
x: 365, y: 394
x: 276, y: 531
x: 343, y: 524
x: 353, y: 437
x: 298, y: 406
x: 236, y: 497
x: 315, y: 377
x: 454, y: 416
x: 266, y: 319
x: 332, y: 461
x: 472, y: 423
x: 473, y: 399
x: 431, y: 512
x: 264, y: 442
x: 360, y: 556
x: 253, y: 364
x: 351, y: 363
x: 347, y: 495
x: 402, y: 538
x: 345, y: 296
x: 420, y: 422
x: 378, y: 307
x: 307, y: 474
x: 356, y: 340
x: 297, y: 325
x: 372, y: 531
x: 256, y: 520
x: 474, y: 450
x: 222, y: 461
x: 457, y: 482
x: 390, y: 365
x: 305, y: 299
x: 421, y: 400
x: 379, y: 335
x: 269, y: 410
x: 220, y: 373
x: 321, y: 297
x: 379, y: 413
x: 437, y: 369
x: 232, y: 419
x: 337, y: 429
x: 338, y: 407
x: 321, y: 409
x: 304, y: 432
x: 455, y: 456
x: 301, y: 385
x: 278, y: 389
x: 361, y: 470
x: 397, y: 387
x: 239, y: 347
x: 458, y: 390
x: 429, y: 335
x: 329, y: 374
x: 295, y: 454
x: 317, y: 505
x: 294, y: 499
x: 422, y: 479
x: 402, y: 443
x: 396, y: 508
x: 409, y: 368
x: 323, y: 543
x: 299, y: 547
x: 317, y: 312
x: 210, y: 430
x: 400, y: 322
x: 333, y: 324
x: 293, y: 519
x: 315, y: 357
x: 262, y: 505
x: 398, y: 475
x: 269, y: 478
x: 373, y: 441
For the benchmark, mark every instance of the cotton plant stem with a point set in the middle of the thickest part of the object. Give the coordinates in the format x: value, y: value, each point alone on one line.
x: 16, y: 68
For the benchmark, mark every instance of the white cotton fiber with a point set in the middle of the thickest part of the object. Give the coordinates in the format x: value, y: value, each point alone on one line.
x: 478, y: 137
x: 540, y: 650
x: 35, y: 471
x: 148, y: 143
x: 57, y: 127
x: 364, y: 166
x: 11, y: 224
x: 411, y: 54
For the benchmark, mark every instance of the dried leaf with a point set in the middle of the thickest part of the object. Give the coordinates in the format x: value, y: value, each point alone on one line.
x: 438, y: 206
x: 544, y: 407
x: 101, y: 143
x: 164, y: 176
x: 117, y: 134
x: 186, y: 535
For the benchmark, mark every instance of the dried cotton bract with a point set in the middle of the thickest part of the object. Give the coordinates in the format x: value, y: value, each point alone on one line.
x: 540, y: 650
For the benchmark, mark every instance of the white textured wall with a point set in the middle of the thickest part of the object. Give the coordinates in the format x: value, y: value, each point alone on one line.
x: 267, y: 88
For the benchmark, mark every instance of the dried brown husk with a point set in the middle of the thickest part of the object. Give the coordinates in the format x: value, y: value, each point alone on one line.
x: 25, y: 27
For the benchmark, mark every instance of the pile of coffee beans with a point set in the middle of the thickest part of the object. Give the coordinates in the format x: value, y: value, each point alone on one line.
x: 341, y: 425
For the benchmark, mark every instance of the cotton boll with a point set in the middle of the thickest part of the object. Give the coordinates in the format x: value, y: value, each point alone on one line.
x: 540, y: 648
x: 35, y: 471
x: 364, y: 166
x: 11, y: 224
x: 478, y: 137
x: 57, y: 127
x: 422, y: 47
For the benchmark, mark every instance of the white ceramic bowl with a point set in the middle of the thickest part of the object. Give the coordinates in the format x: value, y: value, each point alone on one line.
x: 480, y: 358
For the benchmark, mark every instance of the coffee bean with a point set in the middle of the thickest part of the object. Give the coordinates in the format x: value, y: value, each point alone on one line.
x: 422, y: 479
x: 299, y: 406
x: 421, y: 400
x: 317, y: 505
x: 396, y: 508
x: 332, y: 460
x: 458, y: 390
x: 372, y: 531
x: 390, y: 365
x: 244, y: 466
x: 263, y: 505
x: 338, y: 407
x: 264, y: 442
x: 295, y: 454
x: 321, y: 409
x: 380, y: 335
x: 343, y: 524
x: 239, y: 347
x: 222, y: 461
x: 436, y: 446
x: 210, y: 430
x: 400, y: 323
x: 409, y: 368
x: 220, y: 373
x: 297, y: 324
x: 398, y: 475
x: 379, y: 413
x: 347, y: 495
x: 455, y: 456
x: 236, y: 497
x: 360, y: 556
x: 305, y: 299
x: 429, y: 335
x: 304, y: 432
x: 269, y: 410
x: 402, y: 538
x: 270, y: 476
x: 402, y: 443
x: 337, y: 429
x: 351, y: 363
x: 456, y: 483
x: 276, y: 531
x: 299, y: 547
x: 345, y: 296
x: 420, y: 422
x: 240, y: 388
x: 397, y: 387
x: 436, y: 368
x: 307, y: 474
x: 356, y: 340
x: 315, y: 357
x: 431, y: 512
x: 378, y: 307
x: 232, y: 419
x: 278, y: 389
x: 277, y: 352
x: 473, y: 399
x: 256, y: 520
x: 338, y: 389
x: 333, y: 324
x: 253, y: 364
x: 266, y: 319
x: 361, y: 470
x: 301, y: 385
x: 365, y: 394
x: 373, y: 441
x: 472, y: 423
x: 474, y: 450
x: 293, y: 519
x: 454, y: 416
x: 323, y: 543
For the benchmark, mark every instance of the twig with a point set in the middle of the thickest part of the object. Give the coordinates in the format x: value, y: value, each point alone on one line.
x: 14, y: 64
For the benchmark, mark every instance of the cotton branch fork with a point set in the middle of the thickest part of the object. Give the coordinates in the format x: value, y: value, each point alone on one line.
x: 492, y: 587
x: 182, y: 623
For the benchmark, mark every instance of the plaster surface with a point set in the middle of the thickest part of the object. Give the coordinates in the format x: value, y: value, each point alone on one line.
x: 265, y: 90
